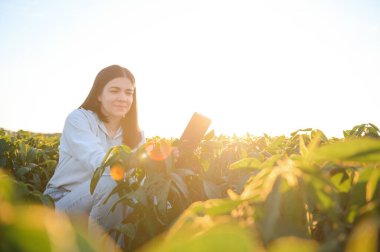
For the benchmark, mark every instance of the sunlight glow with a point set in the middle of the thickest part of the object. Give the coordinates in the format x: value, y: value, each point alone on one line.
x: 251, y: 66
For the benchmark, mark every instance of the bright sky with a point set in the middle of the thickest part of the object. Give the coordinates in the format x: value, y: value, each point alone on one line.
x: 251, y: 66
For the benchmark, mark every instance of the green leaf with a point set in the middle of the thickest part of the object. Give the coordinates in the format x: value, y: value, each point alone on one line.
x: 209, y: 135
x: 221, y: 238
x: 23, y: 150
x: 125, y: 198
x: 303, y: 149
x: 360, y: 188
x: 292, y: 244
x: 300, y: 130
x: 246, y: 164
x: 140, y: 196
x: 36, y: 179
x: 364, y: 237
x: 120, y: 187
x: 180, y: 184
x: 21, y: 171
x: 31, y: 155
x: 323, y: 198
x: 113, y: 156
x: 342, y: 181
x: 253, y: 187
x: 226, y: 237
x: 50, y: 164
x: 157, y: 188
x: 360, y: 149
x: 128, y: 229
x: 216, y: 207
x: 272, y: 205
x: 373, y: 183
x: 212, y: 190
x: 131, y: 199
x: 162, y: 192
x: 270, y: 162
x: 184, y: 172
x: 125, y: 148
x: 96, y: 177
x: 46, y: 200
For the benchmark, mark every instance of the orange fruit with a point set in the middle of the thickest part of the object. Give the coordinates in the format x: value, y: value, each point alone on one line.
x: 117, y: 171
x: 159, y: 151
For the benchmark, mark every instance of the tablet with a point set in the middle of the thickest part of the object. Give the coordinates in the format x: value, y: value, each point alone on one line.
x: 194, y: 132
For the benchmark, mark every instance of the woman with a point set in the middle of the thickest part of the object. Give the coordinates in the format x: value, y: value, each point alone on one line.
x: 108, y: 117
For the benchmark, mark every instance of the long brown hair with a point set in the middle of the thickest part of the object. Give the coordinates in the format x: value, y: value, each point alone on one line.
x: 129, y: 124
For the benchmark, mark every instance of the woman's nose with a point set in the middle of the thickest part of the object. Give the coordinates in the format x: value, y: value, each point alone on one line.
x: 123, y: 97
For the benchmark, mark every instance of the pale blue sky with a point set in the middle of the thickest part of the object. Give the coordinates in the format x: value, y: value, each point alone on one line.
x: 252, y: 66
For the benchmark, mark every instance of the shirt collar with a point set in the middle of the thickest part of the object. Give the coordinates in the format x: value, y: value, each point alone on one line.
x: 118, y: 132
x: 104, y: 128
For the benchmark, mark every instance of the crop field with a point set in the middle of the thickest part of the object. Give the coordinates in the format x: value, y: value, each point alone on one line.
x: 303, y: 192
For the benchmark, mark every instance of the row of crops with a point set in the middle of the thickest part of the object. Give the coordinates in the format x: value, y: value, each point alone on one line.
x: 304, y: 192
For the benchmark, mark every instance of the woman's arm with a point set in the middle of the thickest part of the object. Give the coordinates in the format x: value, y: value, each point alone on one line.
x: 80, y: 140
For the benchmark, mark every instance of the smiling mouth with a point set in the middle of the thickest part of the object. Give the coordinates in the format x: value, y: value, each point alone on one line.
x: 121, y: 107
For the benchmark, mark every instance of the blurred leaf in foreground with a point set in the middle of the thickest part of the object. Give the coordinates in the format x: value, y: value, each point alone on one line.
x: 365, y: 237
x: 226, y: 237
x: 293, y: 244
x: 361, y: 150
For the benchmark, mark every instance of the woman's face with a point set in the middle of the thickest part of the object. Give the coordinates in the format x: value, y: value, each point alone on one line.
x: 116, y: 98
